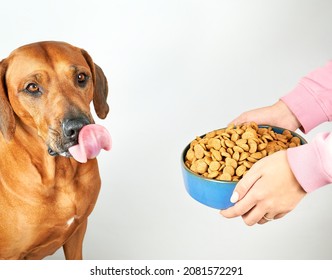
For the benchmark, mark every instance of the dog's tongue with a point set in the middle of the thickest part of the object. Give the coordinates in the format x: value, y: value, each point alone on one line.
x: 91, y: 139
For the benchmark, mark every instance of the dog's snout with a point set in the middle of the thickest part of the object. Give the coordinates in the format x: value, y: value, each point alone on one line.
x: 72, y: 127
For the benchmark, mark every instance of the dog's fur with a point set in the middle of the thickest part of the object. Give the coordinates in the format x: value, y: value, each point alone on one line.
x: 45, y: 195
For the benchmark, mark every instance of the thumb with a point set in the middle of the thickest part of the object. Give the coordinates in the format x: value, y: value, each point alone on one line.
x: 245, y: 184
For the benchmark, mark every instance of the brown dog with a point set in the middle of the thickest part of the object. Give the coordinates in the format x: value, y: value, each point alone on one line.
x: 45, y: 195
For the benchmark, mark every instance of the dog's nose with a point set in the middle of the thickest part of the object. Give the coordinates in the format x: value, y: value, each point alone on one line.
x: 72, y: 127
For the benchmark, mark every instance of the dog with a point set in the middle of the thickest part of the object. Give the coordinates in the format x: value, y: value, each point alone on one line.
x: 46, y: 196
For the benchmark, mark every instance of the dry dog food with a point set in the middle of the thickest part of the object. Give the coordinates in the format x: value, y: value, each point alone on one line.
x: 227, y: 154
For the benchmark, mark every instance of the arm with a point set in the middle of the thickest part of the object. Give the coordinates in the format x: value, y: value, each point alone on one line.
x: 305, y: 107
x: 263, y: 191
x: 311, y: 164
x: 311, y: 103
x: 311, y: 100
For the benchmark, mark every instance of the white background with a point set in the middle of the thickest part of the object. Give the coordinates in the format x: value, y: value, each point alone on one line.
x: 177, y: 69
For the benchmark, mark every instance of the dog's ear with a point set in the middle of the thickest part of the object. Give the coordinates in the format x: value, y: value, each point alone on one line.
x: 100, y: 87
x: 7, y: 119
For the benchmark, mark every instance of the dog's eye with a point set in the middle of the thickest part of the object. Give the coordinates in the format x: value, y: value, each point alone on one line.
x: 32, y: 88
x: 82, y: 78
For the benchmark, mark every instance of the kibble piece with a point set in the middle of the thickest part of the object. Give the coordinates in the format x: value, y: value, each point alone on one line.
x: 262, y: 130
x: 252, y: 146
x: 282, y: 144
x: 251, y: 159
x: 248, y: 164
x: 214, y: 143
x: 236, y: 156
x: 230, y: 151
x: 208, y: 160
x: 238, y: 149
x: 240, y: 170
x: 225, y: 177
x: 229, y: 169
x: 243, y: 156
x: 267, y: 137
x: 282, y: 138
x: 254, y: 126
x: 190, y: 155
x: 241, y: 141
x: 296, y: 140
x: 201, y: 166
x: 235, y: 137
x: 245, y: 147
x: 287, y: 134
x: 211, y: 134
x: 225, y: 135
x: 257, y: 155
x: 232, y: 162
x: 261, y: 146
x: 229, y: 143
x: 213, y: 174
x: 273, y: 134
x: 214, y: 165
x: 271, y: 147
x: 226, y: 155
x: 216, y: 155
x: 250, y: 133
x: 235, y: 178
x: 199, y: 151
x: 193, y: 168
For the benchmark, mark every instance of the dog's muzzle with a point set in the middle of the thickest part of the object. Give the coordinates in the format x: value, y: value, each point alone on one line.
x: 69, y: 137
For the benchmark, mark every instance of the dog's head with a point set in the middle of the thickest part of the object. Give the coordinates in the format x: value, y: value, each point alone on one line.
x: 49, y: 86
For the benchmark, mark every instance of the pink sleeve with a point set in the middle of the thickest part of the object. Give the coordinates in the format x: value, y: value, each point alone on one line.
x: 311, y: 100
x: 312, y: 163
x: 311, y: 103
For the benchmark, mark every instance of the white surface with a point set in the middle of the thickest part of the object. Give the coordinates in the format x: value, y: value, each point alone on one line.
x: 177, y: 69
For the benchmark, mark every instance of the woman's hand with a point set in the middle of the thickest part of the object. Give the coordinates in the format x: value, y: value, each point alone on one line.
x: 277, y: 114
x: 268, y: 191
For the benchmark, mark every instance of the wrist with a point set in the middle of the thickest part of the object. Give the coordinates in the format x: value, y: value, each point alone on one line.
x: 286, y: 115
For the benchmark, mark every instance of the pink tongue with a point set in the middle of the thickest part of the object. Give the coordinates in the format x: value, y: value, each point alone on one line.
x: 91, y: 140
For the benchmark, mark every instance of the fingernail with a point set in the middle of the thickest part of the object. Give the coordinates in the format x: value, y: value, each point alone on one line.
x: 234, y: 197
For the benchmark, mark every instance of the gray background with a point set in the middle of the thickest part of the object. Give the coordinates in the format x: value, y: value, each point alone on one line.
x: 177, y: 69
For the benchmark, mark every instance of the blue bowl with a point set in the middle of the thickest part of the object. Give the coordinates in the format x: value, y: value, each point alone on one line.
x: 211, y: 192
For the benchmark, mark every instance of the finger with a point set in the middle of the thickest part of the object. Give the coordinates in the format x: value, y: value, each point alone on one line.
x: 279, y: 216
x: 247, y: 117
x: 256, y: 215
x: 245, y: 184
x: 276, y: 217
x: 262, y: 221
x: 240, y: 208
x: 239, y: 120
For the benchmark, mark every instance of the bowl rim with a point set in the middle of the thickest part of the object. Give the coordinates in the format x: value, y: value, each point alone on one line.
x: 183, y: 155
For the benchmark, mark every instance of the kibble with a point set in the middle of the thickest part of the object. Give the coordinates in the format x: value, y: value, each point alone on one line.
x: 227, y: 154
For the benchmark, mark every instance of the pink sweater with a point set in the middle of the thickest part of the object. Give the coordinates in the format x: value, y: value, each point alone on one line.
x: 311, y: 103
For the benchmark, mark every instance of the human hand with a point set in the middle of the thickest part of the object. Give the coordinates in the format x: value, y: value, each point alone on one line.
x: 269, y: 189
x: 277, y: 114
